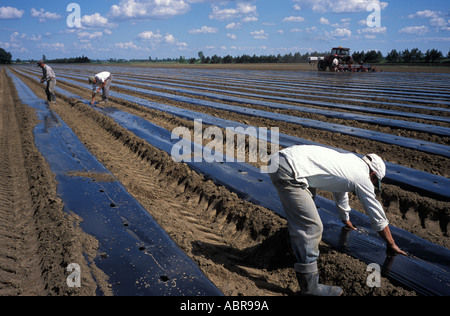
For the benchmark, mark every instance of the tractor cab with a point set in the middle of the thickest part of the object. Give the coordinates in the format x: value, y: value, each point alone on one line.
x: 340, y: 52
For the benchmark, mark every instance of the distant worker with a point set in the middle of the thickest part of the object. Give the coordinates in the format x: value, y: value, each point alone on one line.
x: 48, y: 75
x: 335, y: 65
x: 101, y: 81
x: 304, y: 169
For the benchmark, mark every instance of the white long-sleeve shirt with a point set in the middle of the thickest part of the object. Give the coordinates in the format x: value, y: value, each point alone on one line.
x: 101, y: 78
x: 48, y: 73
x: 329, y: 170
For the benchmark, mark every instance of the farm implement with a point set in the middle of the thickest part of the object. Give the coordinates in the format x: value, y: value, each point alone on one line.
x: 339, y: 60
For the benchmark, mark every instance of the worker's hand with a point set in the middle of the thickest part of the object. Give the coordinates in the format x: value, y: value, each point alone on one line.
x: 98, y: 90
x: 395, y: 250
x: 92, y: 103
x: 392, y: 248
x: 42, y: 80
x: 349, y: 225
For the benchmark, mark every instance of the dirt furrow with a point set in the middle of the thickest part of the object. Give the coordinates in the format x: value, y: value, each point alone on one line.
x: 19, y: 259
x: 37, y: 239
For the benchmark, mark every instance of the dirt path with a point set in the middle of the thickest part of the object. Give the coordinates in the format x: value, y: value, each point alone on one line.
x: 18, y: 241
x: 242, y: 248
x: 37, y: 239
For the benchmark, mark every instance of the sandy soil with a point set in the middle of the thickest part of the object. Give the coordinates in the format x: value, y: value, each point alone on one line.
x: 37, y: 239
x: 244, y: 249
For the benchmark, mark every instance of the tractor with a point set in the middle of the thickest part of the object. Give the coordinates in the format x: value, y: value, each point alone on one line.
x: 339, y: 60
x: 339, y: 56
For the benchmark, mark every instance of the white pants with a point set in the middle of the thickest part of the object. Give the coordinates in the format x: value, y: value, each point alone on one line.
x: 304, y: 223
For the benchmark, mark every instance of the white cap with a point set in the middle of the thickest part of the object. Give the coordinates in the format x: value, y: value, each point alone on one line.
x: 377, y: 165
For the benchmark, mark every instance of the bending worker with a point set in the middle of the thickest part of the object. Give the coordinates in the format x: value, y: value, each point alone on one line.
x: 101, y: 81
x: 48, y: 75
x: 302, y: 170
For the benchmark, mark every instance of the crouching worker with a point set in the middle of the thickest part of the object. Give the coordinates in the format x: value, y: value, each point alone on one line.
x: 48, y: 76
x: 101, y: 81
x: 302, y: 170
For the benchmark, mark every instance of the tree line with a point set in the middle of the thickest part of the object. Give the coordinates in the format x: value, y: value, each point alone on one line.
x: 6, y: 58
x: 72, y: 60
x: 407, y: 56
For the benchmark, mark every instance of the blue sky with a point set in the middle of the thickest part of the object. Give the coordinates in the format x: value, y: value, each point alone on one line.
x: 173, y: 28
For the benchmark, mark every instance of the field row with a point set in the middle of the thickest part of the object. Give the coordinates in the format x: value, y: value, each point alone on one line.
x: 155, y: 97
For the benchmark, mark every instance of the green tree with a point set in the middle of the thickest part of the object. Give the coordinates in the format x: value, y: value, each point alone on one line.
x: 373, y: 57
x: 5, y: 57
x: 228, y: 59
x: 393, y: 57
x: 216, y: 60
x: 406, y: 56
x: 359, y: 56
x: 432, y: 56
x: 416, y: 55
x: 202, y: 58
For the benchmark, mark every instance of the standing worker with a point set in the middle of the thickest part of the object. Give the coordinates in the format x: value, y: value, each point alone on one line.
x: 101, y: 81
x: 49, y: 77
x: 304, y: 169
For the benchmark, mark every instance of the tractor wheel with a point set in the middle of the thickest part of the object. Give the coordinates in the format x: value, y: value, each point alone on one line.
x: 322, y: 66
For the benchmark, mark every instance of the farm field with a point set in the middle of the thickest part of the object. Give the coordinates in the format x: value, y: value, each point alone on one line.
x: 238, y: 241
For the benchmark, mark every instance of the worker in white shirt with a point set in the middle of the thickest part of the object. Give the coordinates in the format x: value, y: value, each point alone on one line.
x: 48, y: 76
x: 101, y: 81
x: 304, y: 169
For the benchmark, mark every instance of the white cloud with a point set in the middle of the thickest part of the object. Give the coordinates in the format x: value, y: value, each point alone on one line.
x: 36, y: 38
x: 232, y: 36
x: 339, y: 6
x: 296, y: 19
x: 43, y: 16
x: 245, y: 11
x: 297, y: 6
x: 169, y: 38
x: 415, y: 30
x: 96, y: 20
x: 148, y: 9
x: 8, y: 13
x: 426, y: 14
x: 149, y: 35
x: 249, y: 19
x: 234, y: 26
x: 204, y: 30
x: 155, y: 39
x: 89, y: 36
x: 52, y: 46
x: 324, y: 21
x: 339, y: 32
x: 260, y: 35
x: 312, y: 29
x: 437, y: 18
x: 17, y: 37
x: 127, y: 46
x: 372, y: 32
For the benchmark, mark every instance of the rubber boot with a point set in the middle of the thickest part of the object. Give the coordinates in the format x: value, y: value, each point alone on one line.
x: 309, y: 286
